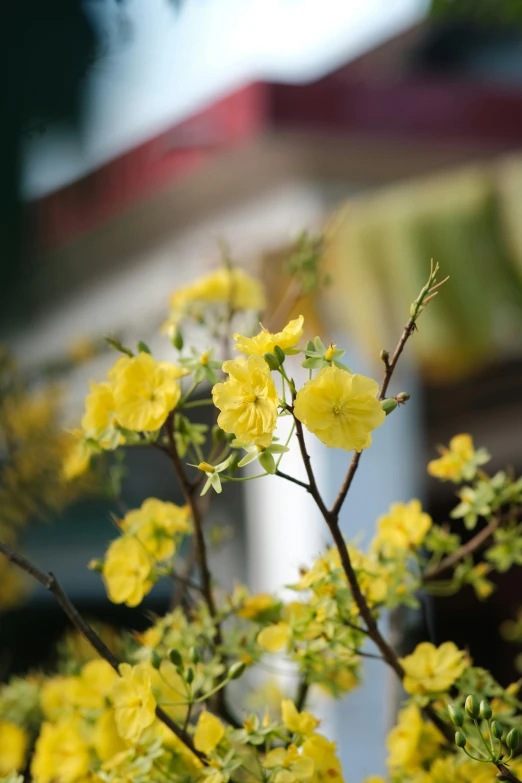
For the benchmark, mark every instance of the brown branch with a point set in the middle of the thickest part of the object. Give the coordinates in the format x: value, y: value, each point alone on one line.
x: 189, y: 494
x: 313, y: 489
x: 331, y: 516
x: 293, y: 480
x: 302, y: 695
x: 389, y: 365
x: 466, y: 549
x: 50, y: 582
x: 507, y: 774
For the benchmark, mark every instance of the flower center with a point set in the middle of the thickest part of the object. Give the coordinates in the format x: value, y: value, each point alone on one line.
x: 250, y: 398
x: 337, y: 409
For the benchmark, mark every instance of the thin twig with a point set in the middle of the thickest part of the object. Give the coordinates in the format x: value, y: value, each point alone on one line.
x: 506, y: 772
x: 293, y: 480
x: 190, y: 498
x: 313, y: 489
x: 466, y: 549
x: 50, y: 582
x: 302, y: 694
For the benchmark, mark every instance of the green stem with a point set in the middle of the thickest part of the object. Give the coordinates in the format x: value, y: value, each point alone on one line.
x: 488, y: 749
x: 195, y: 403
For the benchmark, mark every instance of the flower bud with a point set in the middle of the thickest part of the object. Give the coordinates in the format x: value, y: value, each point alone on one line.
x: 460, y: 739
x: 189, y: 676
x: 177, y: 340
x: 279, y: 354
x: 456, y: 714
x: 485, y: 710
x: 389, y: 405
x: 402, y: 397
x: 96, y: 565
x: 330, y: 352
x: 194, y: 655
x: 236, y: 670
x: 512, y: 739
x: 272, y: 361
x: 472, y: 707
x: 267, y: 462
x: 497, y: 729
x: 155, y: 659
x: 142, y: 347
x: 175, y: 658
x: 384, y: 356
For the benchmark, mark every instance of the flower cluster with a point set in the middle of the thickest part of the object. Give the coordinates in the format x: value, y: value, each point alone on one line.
x: 162, y: 705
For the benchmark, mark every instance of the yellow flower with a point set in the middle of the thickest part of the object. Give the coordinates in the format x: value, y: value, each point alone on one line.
x: 61, y: 755
x: 340, y: 408
x: 133, y: 700
x: 94, y: 684
x: 13, y: 745
x: 99, y: 409
x: 403, y: 527
x: 82, y: 349
x: 155, y: 525
x: 412, y: 741
x: 296, y: 768
x: 77, y: 456
x: 274, y: 637
x: 374, y: 779
x: 327, y: 767
x: 229, y: 286
x: 105, y: 738
x: 453, y: 461
x: 209, y: 733
x: 247, y: 401
x: 57, y: 696
x: 298, y: 722
x: 265, y: 341
x: 431, y: 669
x: 145, y: 392
x: 126, y: 571
x: 255, y: 605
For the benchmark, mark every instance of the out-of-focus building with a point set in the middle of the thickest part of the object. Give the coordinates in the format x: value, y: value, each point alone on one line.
x: 419, y: 136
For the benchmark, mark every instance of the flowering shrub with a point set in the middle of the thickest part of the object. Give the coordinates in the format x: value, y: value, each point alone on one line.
x: 163, y: 710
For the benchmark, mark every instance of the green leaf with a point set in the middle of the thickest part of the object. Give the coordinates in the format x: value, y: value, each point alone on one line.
x: 267, y: 462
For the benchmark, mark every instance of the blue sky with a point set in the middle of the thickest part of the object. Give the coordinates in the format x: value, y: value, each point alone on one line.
x: 172, y: 64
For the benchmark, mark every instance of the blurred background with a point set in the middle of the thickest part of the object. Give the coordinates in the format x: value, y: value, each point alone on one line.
x: 136, y: 135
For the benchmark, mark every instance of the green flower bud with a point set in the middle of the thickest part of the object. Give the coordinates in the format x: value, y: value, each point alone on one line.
x: 236, y: 670
x: 267, y: 462
x: 460, y: 739
x: 189, y: 676
x: 175, y: 658
x: 155, y: 659
x: 472, y: 707
x: 194, y: 654
x: 402, y: 397
x: 279, y: 354
x: 96, y: 565
x: 384, y: 356
x: 485, y: 710
x: 177, y: 340
x: 272, y: 361
x: 142, y: 347
x: 512, y: 739
x: 456, y: 714
x: 497, y: 729
x: 389, y: 405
